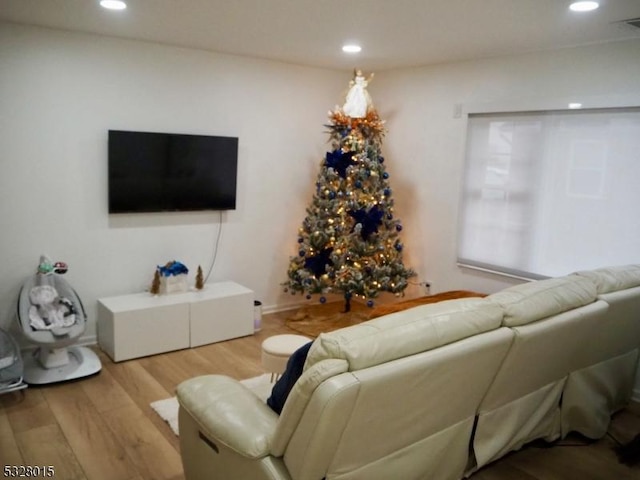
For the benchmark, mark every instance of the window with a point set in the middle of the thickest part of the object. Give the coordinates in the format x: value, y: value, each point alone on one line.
x: 549, y: 193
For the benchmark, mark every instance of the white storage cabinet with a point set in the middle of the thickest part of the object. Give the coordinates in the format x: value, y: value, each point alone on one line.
x: 137, y: 325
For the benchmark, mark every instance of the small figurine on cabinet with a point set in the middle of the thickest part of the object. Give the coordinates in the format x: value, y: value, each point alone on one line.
x: 155, y: 284
x: 199, y: 279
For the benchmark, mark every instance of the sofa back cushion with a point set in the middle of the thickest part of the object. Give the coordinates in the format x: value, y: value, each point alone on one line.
x: 613, y: 279
x: 406, y: 333
x: 407, y: 418
x: 534, y: 301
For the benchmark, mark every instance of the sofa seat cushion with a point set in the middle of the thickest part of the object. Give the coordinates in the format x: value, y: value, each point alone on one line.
x: 406, y: 333
x: 613, y: 279
x: 534, y: 301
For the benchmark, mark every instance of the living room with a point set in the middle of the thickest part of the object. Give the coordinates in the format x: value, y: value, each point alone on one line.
x: 67, y: 89
x: 63, y: 91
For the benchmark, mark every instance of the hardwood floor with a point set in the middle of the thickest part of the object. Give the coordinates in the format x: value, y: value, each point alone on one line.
x: 102, y: 428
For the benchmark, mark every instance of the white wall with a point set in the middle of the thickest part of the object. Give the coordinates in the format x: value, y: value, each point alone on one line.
x: 59, y: 95
x: 425, y: 143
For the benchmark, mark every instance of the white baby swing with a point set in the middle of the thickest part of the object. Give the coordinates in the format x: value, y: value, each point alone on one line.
x: 51, y: 315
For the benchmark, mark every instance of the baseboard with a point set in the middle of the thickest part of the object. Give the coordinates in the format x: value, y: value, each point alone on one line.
x: 283, y: 308
x: 87, y: 340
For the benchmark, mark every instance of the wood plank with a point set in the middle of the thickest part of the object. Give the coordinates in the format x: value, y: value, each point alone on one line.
x: 9, y: 451
x: 166, y: 371
x: 625, y: 425
x: 139, y: 384
x: 589, y: 461
x: 153, y: 456
x: 143, y: 389
x: 174, y: 368
x: 501, y: 470
x: 98, y: 451
x: 32, y: 411
x: 47, y: 446
x: 104, y: 391
x: 237, y: 359
x: 192, y: 363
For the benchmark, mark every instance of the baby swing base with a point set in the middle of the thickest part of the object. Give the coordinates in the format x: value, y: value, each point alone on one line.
x: 49, y: 365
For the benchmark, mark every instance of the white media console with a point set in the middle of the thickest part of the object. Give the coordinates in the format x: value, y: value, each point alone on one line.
x: 142, y: 324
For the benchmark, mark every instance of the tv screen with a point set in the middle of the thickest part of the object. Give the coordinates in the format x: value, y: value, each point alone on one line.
x: 168, y: 172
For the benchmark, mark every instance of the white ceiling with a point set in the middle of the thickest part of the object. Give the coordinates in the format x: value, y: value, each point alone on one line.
x: 393, y: 33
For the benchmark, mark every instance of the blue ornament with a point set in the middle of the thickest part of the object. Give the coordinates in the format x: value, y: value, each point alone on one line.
x: 381, y: 159
x: 398, y: 246
x: 370, y: 303
x: 308, y: 297
x: 302, y: 253
x: 389, y: 216
x: 387, y: 192
x: 358, y: 184
x: 323, y: 300
x: 398, y: 227
x: 300, y: 239
x: 385, y: 175
x: 332, y: 195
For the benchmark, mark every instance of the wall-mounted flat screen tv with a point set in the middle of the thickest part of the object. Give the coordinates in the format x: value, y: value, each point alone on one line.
x: 168, y: 172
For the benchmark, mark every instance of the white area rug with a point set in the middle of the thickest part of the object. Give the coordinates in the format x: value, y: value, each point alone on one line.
x: 168, y: 408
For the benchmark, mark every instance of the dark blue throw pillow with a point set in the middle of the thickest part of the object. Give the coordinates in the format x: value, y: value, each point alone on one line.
x: 285, y: 383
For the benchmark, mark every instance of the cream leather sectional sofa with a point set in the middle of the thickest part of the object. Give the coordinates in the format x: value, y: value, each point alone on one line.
x: 433, y: 392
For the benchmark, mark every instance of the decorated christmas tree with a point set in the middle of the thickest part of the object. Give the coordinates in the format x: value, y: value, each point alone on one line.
x: 349, y: 241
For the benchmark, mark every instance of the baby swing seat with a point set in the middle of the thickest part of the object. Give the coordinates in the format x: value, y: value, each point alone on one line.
x: 51, y: 315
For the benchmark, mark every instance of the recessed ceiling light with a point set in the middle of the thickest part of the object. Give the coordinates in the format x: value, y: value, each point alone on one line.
x: 351, y: 48
x: 584, y: 6
x: 575, y: 105
x: 113, y: 4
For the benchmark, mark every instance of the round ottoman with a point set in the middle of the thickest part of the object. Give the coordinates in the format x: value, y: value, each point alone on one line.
x: 276, y: 351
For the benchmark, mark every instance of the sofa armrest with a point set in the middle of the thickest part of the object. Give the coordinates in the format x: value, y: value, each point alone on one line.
x: 229, y: 413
